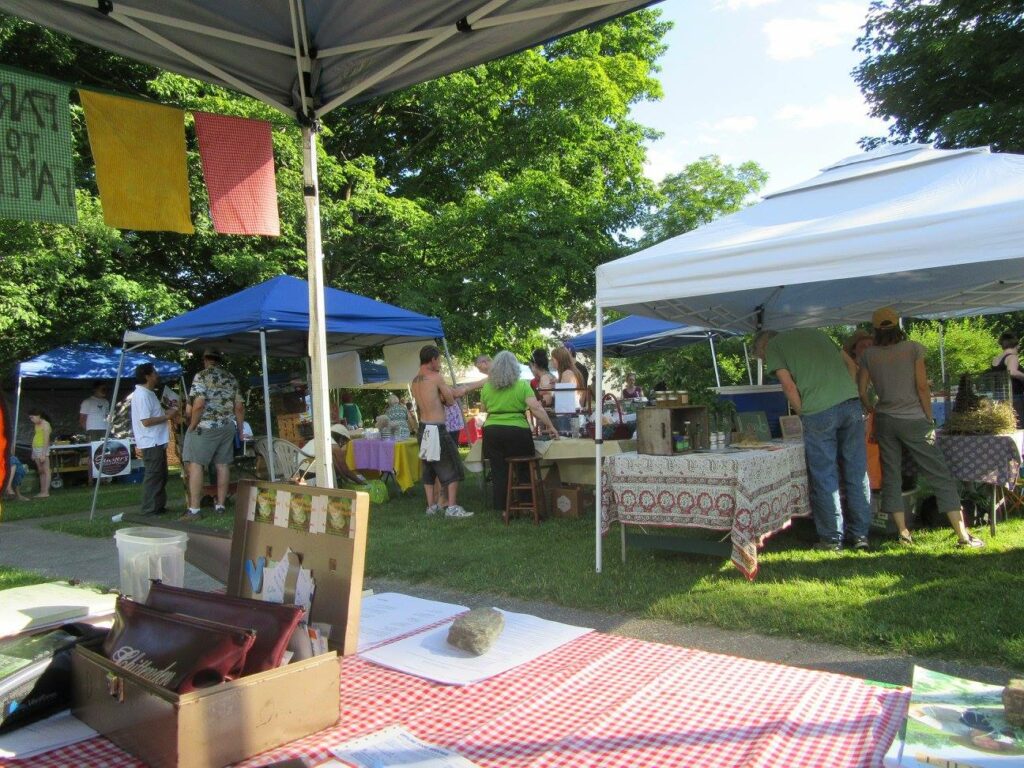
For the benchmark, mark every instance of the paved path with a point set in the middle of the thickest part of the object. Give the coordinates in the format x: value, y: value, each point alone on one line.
x: 25, y: 545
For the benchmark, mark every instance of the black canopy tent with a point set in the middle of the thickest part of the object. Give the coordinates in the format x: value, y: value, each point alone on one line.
x: 308, y: 57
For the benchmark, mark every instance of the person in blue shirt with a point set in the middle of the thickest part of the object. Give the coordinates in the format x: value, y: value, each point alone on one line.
x: 15, y: 474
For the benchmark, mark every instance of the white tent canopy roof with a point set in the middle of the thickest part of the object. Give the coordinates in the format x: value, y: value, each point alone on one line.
x: 926, y: 231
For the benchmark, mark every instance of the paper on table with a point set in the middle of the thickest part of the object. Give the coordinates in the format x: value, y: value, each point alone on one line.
x: 396, y: 746
x: 389, y: 615
x: 428, y: 654
x: 54, y: 732
x: 44, y: 605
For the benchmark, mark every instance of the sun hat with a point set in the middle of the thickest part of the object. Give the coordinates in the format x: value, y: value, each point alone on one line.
x: 885, y: 317
x: 340, y: 431
x: 855, y: 338
x: 213, y: 353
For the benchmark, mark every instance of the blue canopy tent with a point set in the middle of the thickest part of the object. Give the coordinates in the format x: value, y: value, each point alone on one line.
x: 637, y: 335
x: 273, y: 318
x: 76, y: 363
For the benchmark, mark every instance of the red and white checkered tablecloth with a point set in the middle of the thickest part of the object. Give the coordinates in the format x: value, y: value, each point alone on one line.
x: 606, y: 701
x: 751, y: 494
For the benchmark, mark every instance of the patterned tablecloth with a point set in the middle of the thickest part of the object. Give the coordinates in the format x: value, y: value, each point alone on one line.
x: 605, y: 701
x: 752, y: 494
x: 992, y: 459
x: 400, y: 458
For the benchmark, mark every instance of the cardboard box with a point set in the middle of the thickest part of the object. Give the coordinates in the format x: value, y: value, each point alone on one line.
x: 566, y: 502
x: 232, y: 721
x: 208, y: 728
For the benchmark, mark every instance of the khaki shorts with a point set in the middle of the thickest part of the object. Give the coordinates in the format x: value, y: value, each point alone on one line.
x: 205, y: 445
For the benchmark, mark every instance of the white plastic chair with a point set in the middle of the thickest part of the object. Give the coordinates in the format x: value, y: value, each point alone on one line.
x: 288, y: 459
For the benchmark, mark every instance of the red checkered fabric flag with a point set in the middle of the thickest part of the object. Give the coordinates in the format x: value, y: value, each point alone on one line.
x: 238, y: 166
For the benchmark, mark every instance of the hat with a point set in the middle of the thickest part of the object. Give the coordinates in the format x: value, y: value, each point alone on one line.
x: 340, y: 431
x: 855, y: 338
x: 213, y: 353
x: 885, y: 317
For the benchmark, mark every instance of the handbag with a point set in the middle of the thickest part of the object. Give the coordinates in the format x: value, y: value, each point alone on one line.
x: 273, y: 623
x: 179, y: 652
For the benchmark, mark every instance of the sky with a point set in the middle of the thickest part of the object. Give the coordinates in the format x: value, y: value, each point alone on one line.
x: 761, y: 80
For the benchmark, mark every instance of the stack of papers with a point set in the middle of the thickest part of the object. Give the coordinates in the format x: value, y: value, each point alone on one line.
x: 40, y: 606
x: 390, y: 615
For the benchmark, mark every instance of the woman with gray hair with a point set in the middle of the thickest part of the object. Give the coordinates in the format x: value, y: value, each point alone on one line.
x: 506, y: 397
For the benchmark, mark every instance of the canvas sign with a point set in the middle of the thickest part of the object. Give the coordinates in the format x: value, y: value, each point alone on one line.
x: 36, y: 179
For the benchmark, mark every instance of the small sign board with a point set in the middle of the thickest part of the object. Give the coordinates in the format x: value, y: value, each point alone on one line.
x: 792, y: 428
x: 116, y: 462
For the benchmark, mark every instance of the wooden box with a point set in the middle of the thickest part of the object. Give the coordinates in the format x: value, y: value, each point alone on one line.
x: 566, y: 502
x: 655, y: 427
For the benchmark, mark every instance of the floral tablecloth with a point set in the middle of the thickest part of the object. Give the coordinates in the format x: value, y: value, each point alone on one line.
x: 751, y: 494
x: 992, y: 459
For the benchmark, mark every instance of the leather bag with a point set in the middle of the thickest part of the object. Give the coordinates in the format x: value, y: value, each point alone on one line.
x: 179, y: 652
x: 273, y: 623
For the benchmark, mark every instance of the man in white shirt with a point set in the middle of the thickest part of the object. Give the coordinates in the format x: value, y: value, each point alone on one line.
x: 150, y: 426
x: 92, y: 413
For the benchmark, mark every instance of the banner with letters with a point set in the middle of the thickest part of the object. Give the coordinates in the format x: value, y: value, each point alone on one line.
x: 36, y: 177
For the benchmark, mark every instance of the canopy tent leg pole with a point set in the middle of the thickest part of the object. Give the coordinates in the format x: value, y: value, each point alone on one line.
x: 322, y: 466
x: 266, y: 406
x: 106, y: 433
x: 17, y: 412
x: 714, y: 359
x: 448, y: 359
x: 598, y: 439
x: 746, y: 359
x: 942, y: 353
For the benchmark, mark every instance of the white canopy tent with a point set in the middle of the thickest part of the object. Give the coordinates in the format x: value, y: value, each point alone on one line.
x: 929, y: 232
x: 309, y: 57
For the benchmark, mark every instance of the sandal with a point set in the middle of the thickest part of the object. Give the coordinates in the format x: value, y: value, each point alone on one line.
x: 973, y: 542
x: 906, y: 539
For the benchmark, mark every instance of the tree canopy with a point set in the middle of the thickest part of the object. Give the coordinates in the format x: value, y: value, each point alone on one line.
x: 949, y: 71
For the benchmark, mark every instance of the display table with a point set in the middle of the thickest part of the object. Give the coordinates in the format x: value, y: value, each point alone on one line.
x: 991, y: 459
x: 751, y: 494
x: 606, y: 701
x: 574, y: 457
x: 400, y: 458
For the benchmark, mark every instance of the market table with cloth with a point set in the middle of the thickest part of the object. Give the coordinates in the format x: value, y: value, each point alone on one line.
x: 609, y: 701
x: 400, y: 458
x: 991, y: 459
x: 574, y: 457
x: 749, y: 493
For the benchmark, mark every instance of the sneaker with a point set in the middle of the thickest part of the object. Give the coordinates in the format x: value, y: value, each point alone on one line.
x: 973, y: 542
x: 433, y: 509
x: 219, y: 509
x: 906, y: 539
x: 829, y: 546
x: 190, y: 516
x: 860, y: 542
x: 456, y: 511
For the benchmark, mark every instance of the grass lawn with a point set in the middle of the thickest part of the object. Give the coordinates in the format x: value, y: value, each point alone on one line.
x: 16, y: 577
x: 930, y: 600
x: 78, y: 498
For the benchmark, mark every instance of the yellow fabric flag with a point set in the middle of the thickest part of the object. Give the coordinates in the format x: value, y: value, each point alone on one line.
x: 141, y: 171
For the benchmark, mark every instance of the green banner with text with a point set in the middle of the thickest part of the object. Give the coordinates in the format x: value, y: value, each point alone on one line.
x: 36, y: 179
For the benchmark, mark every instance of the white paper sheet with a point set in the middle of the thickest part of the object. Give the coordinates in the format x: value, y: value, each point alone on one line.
x: 396, y: 746
x: 45, y: 605
x: 388, y: 615
x: 565, y: 398
x: 428, y: 654
x: 54, y: 732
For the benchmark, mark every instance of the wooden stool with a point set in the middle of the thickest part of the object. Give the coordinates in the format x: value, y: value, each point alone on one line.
x: 532, y: 484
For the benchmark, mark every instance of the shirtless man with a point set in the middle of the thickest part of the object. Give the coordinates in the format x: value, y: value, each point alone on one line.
x: 445, y: 466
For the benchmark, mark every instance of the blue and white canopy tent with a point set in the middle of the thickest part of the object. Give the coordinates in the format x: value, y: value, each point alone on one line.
x: 637, y: 335
x: 71, y: 366
x: 308, y: 57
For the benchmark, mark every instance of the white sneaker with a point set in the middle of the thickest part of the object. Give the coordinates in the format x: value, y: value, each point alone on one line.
x: 433, y: 509
x: 457, y: 511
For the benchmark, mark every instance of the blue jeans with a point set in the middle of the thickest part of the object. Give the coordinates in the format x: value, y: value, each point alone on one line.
x: 832, y: 436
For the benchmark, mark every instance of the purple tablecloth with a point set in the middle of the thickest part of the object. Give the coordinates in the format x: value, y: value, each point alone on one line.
x: 375, y: 454
x: 993, y: 459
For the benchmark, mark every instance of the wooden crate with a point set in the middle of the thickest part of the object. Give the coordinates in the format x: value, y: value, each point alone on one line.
x: 655, y: 427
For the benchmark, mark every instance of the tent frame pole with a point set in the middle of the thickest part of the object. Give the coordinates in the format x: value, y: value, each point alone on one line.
x: 598, y: 438
x: 714, y: 358
x: 746, y: 359
x: 272, y: 468
x: 448, y: 359
x: 17, y: 412
x: 323, y: 466
x: 106, y: 432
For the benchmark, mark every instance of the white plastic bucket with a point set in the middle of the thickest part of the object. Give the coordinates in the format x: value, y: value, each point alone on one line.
x: 150, y: 553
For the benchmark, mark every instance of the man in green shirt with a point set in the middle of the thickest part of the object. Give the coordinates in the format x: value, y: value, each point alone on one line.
x: 819, y: 381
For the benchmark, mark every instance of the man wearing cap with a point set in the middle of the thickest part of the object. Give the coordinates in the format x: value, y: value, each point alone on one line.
x: 819, y: 381
x: 217, y: 412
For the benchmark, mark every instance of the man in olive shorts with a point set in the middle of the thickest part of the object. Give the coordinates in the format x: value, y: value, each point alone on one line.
x: 438, y: 452
x: 215, y: 415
